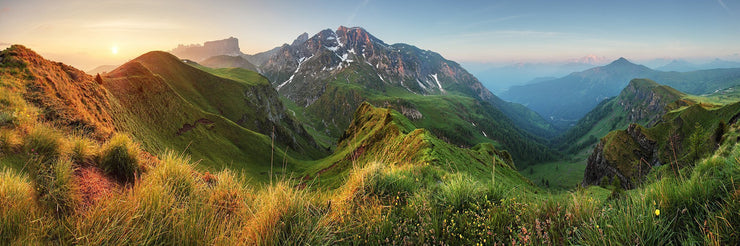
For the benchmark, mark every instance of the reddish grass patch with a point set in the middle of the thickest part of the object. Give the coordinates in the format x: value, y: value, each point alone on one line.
x: 93, y: 184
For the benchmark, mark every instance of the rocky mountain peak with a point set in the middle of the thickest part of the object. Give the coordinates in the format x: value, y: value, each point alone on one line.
x: 301, y: 72
x: 621, y: 62
x: 645, y: 100
x: 357, y: 37
x: 300, y: 39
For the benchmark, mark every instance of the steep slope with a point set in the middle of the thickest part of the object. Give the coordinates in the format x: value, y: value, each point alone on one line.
x: 190, y: 98
x: 327, y: 76
x: 643, y: 101
x: 65, y: 96
x: 386, y: 136
x: 565, y: 100
x: 262, y: 57
x: 224, y: 61
x: 681, y: 138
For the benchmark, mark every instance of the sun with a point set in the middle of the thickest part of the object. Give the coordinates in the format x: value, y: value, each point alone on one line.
x: 114, y: 49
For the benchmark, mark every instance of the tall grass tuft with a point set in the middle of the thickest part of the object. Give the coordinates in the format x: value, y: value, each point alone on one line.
x: 9, y: 141
x: 283, y: 213
x: 44, y: 144
x: 18, y: 209
x: 57, y: 190
x: 228, y: 195
x: 120, y: 157
x: 176, y: 174
x: 83, y: 149
x: 460, y: 192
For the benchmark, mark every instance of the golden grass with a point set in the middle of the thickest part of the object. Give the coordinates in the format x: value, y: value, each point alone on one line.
x: 18, y: 208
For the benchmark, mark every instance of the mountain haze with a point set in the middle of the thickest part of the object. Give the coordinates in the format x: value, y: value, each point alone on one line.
x: 225, y: 61
x: 198, y: 52
x: 565, y: 100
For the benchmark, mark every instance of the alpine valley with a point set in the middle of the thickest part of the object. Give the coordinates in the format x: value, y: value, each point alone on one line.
x: 341, y: 138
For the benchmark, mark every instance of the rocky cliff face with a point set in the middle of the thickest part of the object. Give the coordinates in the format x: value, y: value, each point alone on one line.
x: 680, y: 138
x: 197, y: 52
x: 625, y: 155
x: 646, y: 101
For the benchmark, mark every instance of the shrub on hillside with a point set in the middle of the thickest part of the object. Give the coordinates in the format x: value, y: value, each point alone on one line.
x: 120, y: 158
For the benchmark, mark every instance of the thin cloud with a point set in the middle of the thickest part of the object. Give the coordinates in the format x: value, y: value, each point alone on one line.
x: 5, y: 44
x: 514, y: 34
x: 495, y: 20
x: 352, y: 16
x: 132, y: 25
x: 721, y: 3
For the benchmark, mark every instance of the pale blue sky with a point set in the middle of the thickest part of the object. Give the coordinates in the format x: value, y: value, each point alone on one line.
x: 82, y: 33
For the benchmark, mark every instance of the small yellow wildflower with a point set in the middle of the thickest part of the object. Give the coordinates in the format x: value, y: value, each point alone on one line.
x: 657, y: 212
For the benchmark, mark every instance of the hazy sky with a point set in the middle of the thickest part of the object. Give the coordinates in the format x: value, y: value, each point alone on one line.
x: 83, y: 33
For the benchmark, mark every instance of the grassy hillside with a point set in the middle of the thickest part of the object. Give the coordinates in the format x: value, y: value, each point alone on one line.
x: 249, y: 102
x: 456, y: 118
x: 178, y: 108
x: 64, y: 197
x: 388, y: 181
x: 681, y: 138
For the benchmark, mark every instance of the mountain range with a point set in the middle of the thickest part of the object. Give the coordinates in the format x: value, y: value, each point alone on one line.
x: 325, y: 77
x: 500, y: 77
x: 680, y: 65
x: 564, y: 100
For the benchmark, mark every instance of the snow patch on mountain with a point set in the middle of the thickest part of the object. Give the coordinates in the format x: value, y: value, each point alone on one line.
x: 438, y: 84
x: 300, y: 62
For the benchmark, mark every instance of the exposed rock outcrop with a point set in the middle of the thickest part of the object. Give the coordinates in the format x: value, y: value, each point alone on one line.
x: 626, y: 155
x: 679, y: 139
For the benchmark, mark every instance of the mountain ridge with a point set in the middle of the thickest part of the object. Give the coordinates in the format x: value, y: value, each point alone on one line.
x: 643, y: 101
x: 329, y: 74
